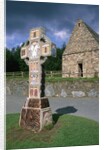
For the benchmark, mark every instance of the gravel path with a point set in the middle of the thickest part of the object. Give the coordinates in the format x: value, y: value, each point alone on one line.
x: 85, y: 107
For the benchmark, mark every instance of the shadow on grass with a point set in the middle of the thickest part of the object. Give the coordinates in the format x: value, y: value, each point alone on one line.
x: 62, y: 111
x: 66, y: 110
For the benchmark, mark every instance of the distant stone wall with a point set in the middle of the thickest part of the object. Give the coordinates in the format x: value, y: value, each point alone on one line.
x: 61, y: 89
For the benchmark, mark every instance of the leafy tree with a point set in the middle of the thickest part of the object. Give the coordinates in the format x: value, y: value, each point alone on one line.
x: 54, y: 63
x: 11, y: 63
x: 22, y: 65
x: 13, y: 60
x: 15, y: 63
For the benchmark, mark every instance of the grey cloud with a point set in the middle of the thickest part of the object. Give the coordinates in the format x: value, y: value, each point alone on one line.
x: 22, y: 16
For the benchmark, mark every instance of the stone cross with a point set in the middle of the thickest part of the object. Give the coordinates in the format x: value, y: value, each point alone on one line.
x: 36, y: 112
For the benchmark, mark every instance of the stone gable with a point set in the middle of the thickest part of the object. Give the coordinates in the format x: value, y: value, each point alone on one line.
x: 81, y: 56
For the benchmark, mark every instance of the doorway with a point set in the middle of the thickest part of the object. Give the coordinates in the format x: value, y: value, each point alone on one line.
x: 80, y: 69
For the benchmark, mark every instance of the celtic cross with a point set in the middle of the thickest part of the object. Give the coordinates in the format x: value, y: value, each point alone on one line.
x: 36, y: 112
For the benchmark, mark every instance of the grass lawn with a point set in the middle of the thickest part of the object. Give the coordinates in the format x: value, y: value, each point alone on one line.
x: 55, y: 79
x: 60, y: 79
x: 67, y: 131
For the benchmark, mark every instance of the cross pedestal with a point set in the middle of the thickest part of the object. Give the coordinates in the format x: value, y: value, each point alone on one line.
x: 36, y: 112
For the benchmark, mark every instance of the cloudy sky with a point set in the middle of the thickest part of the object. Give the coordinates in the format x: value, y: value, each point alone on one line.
x: 58, y: 20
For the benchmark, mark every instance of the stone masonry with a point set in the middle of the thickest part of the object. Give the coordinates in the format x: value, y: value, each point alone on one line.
x: 55, y: 89
x: 36, y: 112
x: 81, y: 56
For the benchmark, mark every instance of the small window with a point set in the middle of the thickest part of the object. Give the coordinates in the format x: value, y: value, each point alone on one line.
x: 45, y: 50
x: 23, y: 52
x: 79, y: 24
x: 34, y: 34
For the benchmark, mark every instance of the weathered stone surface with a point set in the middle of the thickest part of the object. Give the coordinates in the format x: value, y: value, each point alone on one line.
x: 47, y: 116
x: 81, y: 56
x: 55, y: 89
x: 30, y: 119
x: 44, y: 103
x: 63, y: 93
x: 17, y: 87
x: 35, y: 114
x: 37, y: 102
x: 19, y: 90
x: 92, y: 93
x: 36, y: 49
x: 78, y: 94
x: 8, y: 91
x: 49, y: 91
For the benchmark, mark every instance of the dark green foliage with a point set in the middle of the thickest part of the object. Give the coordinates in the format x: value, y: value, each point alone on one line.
x: 15, y: 63
x: 54, y: 63
x: 13, y: 60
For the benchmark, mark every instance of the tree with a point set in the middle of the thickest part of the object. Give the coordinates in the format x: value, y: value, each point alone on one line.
x: 15, y: 63
x: 11, y: 64
x: 21, y: 64
x: 13, y: 60
x: 54, y: 63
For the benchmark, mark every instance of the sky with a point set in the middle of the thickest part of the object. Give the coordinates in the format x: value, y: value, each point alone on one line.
x: 58, y: 19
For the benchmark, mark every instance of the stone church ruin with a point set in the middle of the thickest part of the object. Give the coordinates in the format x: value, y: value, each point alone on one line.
x: 81, y: 56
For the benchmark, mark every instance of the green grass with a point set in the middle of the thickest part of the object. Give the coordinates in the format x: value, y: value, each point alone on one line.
x: 17, y: 78
x: 56, y: 79
x: 67, y: 131
x: 60, y: 79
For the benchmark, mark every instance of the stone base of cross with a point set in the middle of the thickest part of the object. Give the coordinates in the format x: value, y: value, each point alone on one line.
x: 36, y: 112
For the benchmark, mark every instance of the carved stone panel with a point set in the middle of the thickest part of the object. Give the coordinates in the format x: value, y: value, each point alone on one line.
x: 47, y: 116
x: 34, y: 92
x: 46, y: 50
x: 34, y: 79
x: 24, y: 52
x: 34, y: 50
x: 36, y: 112
x: 30, y: 119
x: 34, y: 66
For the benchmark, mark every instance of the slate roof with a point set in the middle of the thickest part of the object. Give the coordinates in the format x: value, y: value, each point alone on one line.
x: 83, y: 38
x: 95, y: 35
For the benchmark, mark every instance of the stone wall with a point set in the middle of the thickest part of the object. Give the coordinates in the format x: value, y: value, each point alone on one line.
x: 61, y: 89
x: 89, y: 60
